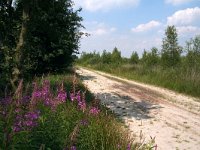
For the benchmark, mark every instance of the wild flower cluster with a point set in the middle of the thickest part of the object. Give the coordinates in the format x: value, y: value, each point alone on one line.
x: 45, y: 95
x: 56, y: 111
x: 22, y: 112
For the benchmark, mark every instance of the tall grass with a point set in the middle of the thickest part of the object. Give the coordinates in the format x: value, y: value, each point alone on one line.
x: 58, y: 113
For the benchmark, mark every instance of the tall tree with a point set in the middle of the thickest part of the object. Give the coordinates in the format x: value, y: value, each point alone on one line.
x: 193, y: 52
x: 9, y: 22
x: 53, y: 36
x: 134, y: 58
x: 170, y: 49
x: 37, y: 36
x: 116, y: 55
x: 106, y: 57
x: 18, y: 57
x: 144, y: 57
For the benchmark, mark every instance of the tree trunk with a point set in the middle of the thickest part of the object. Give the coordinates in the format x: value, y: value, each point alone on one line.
x: 17, y: 69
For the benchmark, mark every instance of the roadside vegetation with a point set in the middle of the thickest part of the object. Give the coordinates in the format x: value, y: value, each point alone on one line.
x: 58, y: 113
x: 173, y: 67
x: 42, y: 105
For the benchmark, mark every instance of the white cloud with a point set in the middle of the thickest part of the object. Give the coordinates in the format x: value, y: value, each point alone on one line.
x: 177, y: 2
x: 145, y: 27
x: 185, y: 17
x: 113, y: 29
x: 100, y: 31
x: 94, y: 5
x: 95, y: 28
x: 188, y: 30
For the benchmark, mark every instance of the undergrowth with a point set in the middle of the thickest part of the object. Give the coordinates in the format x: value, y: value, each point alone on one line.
x: 59, y: 113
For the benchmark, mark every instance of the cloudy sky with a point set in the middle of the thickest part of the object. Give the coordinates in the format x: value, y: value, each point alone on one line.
x: 135, y: 25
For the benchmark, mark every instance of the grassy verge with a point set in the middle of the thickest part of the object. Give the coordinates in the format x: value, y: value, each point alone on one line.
x: 57, y: 113
x: 177, y: 79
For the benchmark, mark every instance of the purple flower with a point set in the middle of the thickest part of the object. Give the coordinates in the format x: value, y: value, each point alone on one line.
x: 16, y: 129
x: 84, y: 122
x: 78, y: 96
x: 37, y: 94
x: 47, y: 101
x: 45, y: 88
x: 72, y: 97
x: 129, y: 147
x: 6, y: 101
x: 62, y: 95
x: 94, y: 111
x: 82, y: 105
x: 32, y: 115
x: 18, y: 124
x: 73, y: 148
x: 26, y: 121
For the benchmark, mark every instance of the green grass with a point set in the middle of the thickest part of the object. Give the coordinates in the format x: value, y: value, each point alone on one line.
x: 178, y: 79
x: 67, y: 125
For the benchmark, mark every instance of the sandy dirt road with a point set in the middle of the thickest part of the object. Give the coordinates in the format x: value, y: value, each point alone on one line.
x: 172, y: 118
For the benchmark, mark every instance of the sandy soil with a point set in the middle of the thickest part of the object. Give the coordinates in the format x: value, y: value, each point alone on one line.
x: 172, y: 118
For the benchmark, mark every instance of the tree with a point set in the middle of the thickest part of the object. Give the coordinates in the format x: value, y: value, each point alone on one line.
x: 37, y: 36
x: 9, y: 30
x: 116, y: 56
x: 18, y: 56
x: 134, y: 58
x: 193, y: 52
x: 106, y: 57
x: 153, y: 57
x: 144, y: 57
x: 171, y: 51
x: 53, y: 36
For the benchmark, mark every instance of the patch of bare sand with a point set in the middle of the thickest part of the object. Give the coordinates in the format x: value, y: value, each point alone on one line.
x: 172, y: 118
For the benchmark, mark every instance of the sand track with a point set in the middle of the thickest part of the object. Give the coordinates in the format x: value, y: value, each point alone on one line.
x: 174, y: 119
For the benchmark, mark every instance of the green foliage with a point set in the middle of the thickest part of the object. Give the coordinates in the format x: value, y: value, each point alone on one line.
x: 106, y: 57
x: 90, y: 58
x: 53, y: 36
x: 37, y: 37
x: 193, y: 52
x: 150, y: 58
x: 134, y: 58
x: 116, y: 56
x: 170, y: 49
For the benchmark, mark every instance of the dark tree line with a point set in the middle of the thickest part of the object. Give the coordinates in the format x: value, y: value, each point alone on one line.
x: 36, y: 37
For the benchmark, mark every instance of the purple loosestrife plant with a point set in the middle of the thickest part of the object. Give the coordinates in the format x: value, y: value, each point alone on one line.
x: 84, y: 122
x: 5, y: 101
x: 27, y: 121
x: 46, y: 93
x: 78, y: 96
x: 129, y: 147
x: 62, y: 95
x: 83, y: 105
x: 72, y: 96
x: 73, y: 148
x: 94, y: 111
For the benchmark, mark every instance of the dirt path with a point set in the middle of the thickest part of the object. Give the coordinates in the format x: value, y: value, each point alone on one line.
x: 173, y: 119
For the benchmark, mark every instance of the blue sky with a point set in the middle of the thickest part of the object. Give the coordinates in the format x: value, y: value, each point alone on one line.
x: 135, y: 25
